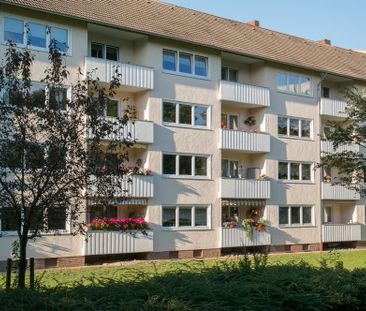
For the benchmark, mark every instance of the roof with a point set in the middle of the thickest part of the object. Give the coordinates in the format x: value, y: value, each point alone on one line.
x: 170, y: 21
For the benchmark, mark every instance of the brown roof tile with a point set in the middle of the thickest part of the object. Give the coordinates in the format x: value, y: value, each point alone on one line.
x: 166, y: 20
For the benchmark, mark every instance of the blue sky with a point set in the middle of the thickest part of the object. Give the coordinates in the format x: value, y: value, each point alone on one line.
x: 341, y: 21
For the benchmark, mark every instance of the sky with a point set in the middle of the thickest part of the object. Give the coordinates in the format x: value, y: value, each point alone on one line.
x: 341, y: 21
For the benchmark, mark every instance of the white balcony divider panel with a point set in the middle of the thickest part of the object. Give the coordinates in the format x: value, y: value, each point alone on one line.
x: 131, y: 75
x: 341, y: 233
x: 139, y: 187
x: 244, y: 141
x: 140, y: 131
x: 244, y: 93
x: 327, y: 147
x: 237, y: 237
x: 338, y: 192
x: 235, y: 188
x: 114, y: 242
x: 333, y: 107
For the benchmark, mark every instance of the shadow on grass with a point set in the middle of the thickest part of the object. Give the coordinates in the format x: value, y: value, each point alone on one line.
x: 240, y: 284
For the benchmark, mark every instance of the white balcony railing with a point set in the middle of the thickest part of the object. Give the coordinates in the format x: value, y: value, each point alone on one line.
x: 341, y: 233
x: 237, y: 237
x: 135, y: 186
x: 133, y: 76
x: 244, y: 141
x: 327, y: 147
x: 112, y: 242
x: 338, y: 192
x: 244, y: 93
x: 332, y: 107
x: 236, y: 188
x: 140, y: 131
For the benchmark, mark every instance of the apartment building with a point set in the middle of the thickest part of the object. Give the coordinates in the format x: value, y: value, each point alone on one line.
x: 228, y: 117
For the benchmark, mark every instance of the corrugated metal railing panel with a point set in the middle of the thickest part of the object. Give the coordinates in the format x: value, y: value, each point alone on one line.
x: 338, y: 192
x: 244, y: 93
x: 237, y: 237
x: 236, y: 188
x: 341, y: 233
x: 112, y: 242
x: 244, y: 141
x: 333, y: 107
x: 327, y: 147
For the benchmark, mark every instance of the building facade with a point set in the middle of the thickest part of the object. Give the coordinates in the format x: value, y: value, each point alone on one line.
x: 228, y: 117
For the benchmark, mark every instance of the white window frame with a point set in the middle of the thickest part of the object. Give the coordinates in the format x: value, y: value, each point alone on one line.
x: 193, y: 175
x: 228, y: 168
x: 193, y: 55
x: 228, y: 69
x: 228, y: 115
x: 288, y: 74
x: 300, y: 180
x: 301, y: 224
x: 192, y: 125
x: 48, y: 25
x: 193, y: 227
x: 300, y: 120
x: 105, y: 45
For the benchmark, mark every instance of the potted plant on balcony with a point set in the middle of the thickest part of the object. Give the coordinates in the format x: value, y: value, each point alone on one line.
x: 250, y: 121
x: 327, y: 178
x: 128, y: 225
x: 232, y: 222
x: 254, y: 221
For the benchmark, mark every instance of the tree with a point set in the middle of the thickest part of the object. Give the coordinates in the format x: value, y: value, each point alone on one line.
x: 351, y: 165
x: 46, y: 159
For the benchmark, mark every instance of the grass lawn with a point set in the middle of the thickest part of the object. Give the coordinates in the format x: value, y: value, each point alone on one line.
x: 311, y: 281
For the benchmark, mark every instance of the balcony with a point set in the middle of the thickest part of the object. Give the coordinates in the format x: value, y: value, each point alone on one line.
x: 327, y: 147
x: 333, y: 108
x: 244, y: 141
x: 338, y: 192
x: 237, y: 237
x: 134, y: 77
x: 251, y: 95
x: 135, y: 186
x: 341, y: 233
x: 141, y: 131
x: 235, y: 188
x: 113, y: 242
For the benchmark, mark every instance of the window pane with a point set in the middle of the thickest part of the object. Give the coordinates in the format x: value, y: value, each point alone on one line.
x: 293, y: 83
x: 295, y: 171
x: 169, y: 112
x: 200, y: 116
x: 306, y: 215
x: 224, y: 121
x: 225, y: 168
x: 306, y: 171
x: 325, y: 92
x: 12, y: 155
x: 34, y: 156
x: 8, y: 219
x: 169, y: 216
x: 201, y: 64
x: 185, y: 63
x: 282, y: 170
x: 37, y: 35
x: 112, y: 108
x: 97, y: 211
x: 294, y: 127
x: 283, y: 215
x: 38, y: 97
x: 233, y: 122
x: 201, y: 166
x: 185, y: 114
x: 112, y: 53
x: 56, y: 217
x: 295, y: 215
x: 169, y: 60
x: 185, y: 165
x: 59, y: 37
x: 185, y: 216
x: 282, y: 81
x: 13, y: 30
x: 233, y: 75
x: 305, y: 128
x: 200, y: 218
x: 234, y: 169
x: 305, y: 85
x: 224, y: 73
x: 57, y: 155
x: 58, y: 98
x: 282, y: 126
x: 169, y: 164
x: 97, y: 50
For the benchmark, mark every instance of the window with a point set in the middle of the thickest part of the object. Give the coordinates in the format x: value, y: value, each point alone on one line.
x: 98, y: 211
x: 295, y: 215
x: 14, y: 30
x: 185, y: 216
x: 294, y: 127
x: 112, y: 53
x: 185, y: 165
x: 185, y: 114
x: 230, y: 122
x: 325, y: 92
x: 296, y: 171
x: 229, y: 74
x: 188, y: 63
x: 97, y: 50
x: 37, y: 35
x: 56, y: 218
x: 58, y: 98
x: 8, y: 219
x: 59, y: 37
x: 294, y: 83
x: 230, y: 168
x: 112, y: 108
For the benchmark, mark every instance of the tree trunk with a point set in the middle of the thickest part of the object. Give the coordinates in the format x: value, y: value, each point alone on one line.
x: 22, y: 262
